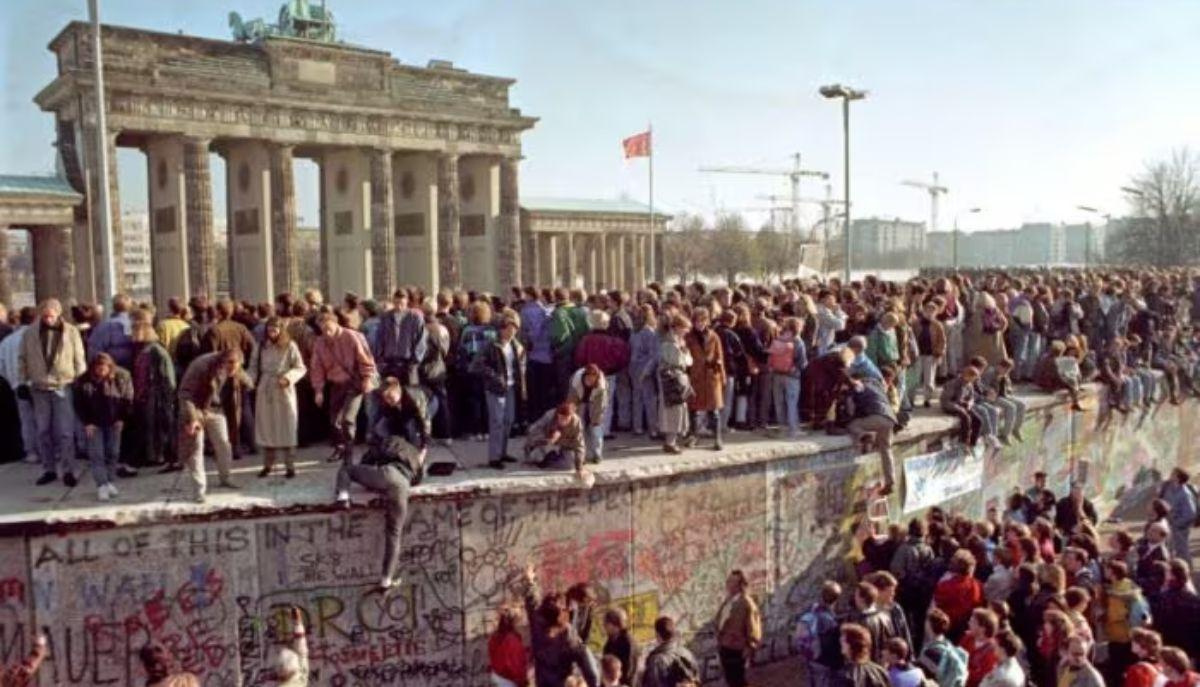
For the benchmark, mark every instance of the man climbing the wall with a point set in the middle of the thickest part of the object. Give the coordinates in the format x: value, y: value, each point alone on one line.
x: 390, y: 468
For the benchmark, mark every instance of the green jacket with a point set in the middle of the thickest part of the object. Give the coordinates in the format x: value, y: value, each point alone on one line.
x: 883, y: 348
x: 568, y: 324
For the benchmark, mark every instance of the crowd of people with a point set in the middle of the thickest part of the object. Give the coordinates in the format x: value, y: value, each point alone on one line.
x: 1026, y: 592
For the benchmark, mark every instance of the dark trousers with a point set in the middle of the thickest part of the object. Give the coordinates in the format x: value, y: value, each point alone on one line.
x: 342, y: 402
x: 733, y: 665
x: 969, y: 423
x: 543, y: 389
x: 393, y: 486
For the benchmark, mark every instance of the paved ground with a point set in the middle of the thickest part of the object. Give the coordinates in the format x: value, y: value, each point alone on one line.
x: 153, y: 495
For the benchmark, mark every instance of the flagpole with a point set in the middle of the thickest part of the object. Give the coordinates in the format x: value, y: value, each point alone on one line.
x: 653, y: 263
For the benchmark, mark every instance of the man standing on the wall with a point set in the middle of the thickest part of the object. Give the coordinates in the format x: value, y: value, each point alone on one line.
x: 342, y: 372
x: 52, y: 356
x: 739, y: 629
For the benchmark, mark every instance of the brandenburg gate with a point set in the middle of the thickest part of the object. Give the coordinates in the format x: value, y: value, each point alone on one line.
x: 418, y: 165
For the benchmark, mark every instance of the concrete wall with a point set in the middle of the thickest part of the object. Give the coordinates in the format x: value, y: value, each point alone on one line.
x: 216, y: 592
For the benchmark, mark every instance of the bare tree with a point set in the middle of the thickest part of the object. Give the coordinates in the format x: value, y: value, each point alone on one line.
x: 1165, y: 198
x: 684, y: 247
x: 730, y: 249
x: 777, y: 253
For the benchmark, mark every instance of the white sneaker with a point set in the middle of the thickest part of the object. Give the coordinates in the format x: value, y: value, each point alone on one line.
x: 102, y: 492
x: 387, y: 583
x: 343, y: 497
x: 112, y: 490
x: 31, y: 458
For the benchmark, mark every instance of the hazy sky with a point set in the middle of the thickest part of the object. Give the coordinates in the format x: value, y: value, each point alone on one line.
x: 1025, y: 108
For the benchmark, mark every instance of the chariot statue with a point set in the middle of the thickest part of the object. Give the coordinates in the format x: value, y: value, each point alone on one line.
x: 297, y: 19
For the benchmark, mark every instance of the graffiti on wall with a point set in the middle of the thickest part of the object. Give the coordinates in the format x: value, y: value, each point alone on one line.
x: 569, y: 536
x: 16, y: 619
x: 104, y: 595
x: 329, y: 566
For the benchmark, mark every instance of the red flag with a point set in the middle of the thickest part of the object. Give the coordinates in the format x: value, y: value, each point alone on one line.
x: 637, y: 145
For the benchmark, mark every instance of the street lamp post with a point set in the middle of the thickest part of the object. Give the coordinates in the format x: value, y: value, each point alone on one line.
x: 954, y: 239
x: 846, y: 94
x: 1087, y: 239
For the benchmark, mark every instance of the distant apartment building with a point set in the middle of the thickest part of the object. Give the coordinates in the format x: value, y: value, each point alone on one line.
x: 887, y: 243
x: 1032, y: 244
x: 135, y: 252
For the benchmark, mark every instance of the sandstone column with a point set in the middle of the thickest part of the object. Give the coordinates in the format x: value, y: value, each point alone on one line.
x: 533, y: 263
x: 572, y: 263
x: 629, y: 246
x: 202, y: 259
x: 548, y: 252
x: 449, y: 229
x: 589, y: 263
x: 510, y: 225
x: 639, y: 263
x: 285, y: 262
x: 602, y: 253
x: 53, y: 274
x: 5, y: 284
x: 383, y: 233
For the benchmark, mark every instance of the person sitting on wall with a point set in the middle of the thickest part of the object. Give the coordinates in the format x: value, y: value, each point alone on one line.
x: 391, y: 466
x: 556, y: 437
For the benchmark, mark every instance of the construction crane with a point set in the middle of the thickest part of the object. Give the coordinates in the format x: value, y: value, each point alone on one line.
x: 793, y: 175
x: 825, y: 203
x: 935, y: 191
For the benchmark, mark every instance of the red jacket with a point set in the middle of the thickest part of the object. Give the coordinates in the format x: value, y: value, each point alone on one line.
x: 1141, y: 674
x: 605, y: 351
x: 980, y: 660
x: 957, y: 596
x: 508, y: 658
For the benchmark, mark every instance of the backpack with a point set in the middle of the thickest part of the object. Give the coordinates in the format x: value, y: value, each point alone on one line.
x: 947, y: 662
x: 816, y: 635
x: 781, y: 356
x: 473, y: 342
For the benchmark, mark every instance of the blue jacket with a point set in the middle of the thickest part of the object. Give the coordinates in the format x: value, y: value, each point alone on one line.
x: 535, y: 331
x: 400, y: 338
x: 113, y: 336
x: 643, y: 355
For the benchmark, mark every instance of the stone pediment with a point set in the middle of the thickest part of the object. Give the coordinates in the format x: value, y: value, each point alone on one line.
x: 281, y: 81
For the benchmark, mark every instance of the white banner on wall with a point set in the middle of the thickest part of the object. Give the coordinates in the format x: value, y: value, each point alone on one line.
x: 935, y: 478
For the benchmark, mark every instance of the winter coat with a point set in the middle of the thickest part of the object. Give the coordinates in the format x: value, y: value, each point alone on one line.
x: 112, y: 336
x: 741, y: 628
x: 1182, y: 500
x: 862, y: 675
x: 879, y: 625
x: 608, y: 352
x: 507, y: 657
x: 990, y: 345
x: 228, y: 335
x: 871, y: 399
x: 55, y: 365
x: 556, y: 654
x: 200, y: 388
x: 1084, y: 676
x: 102, y: 402
x: 491, y: 366
x: 1177, y: 617
x: 400, y: 342
x: 595, y: 401
x: 1008, y: 673
x: 883, y: 347
x: 1123, y: 603
x: 643, y: 354
x: 707, y: 372
x: 829, y: 323
x: 276, y: 411
x: 570, y: 437
x: 931, y: 342
x: 958, y: 596
x: 674, y: 360
x: 670, y: 664
x: 153, y: 403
